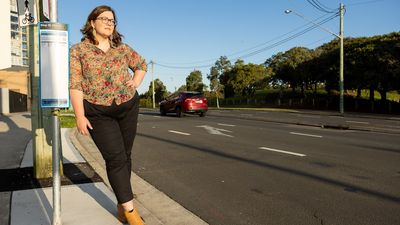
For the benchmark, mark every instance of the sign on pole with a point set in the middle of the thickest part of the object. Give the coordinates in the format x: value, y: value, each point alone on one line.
x: 27, y: 13
x: 46, y: 9
x: 54, y: 65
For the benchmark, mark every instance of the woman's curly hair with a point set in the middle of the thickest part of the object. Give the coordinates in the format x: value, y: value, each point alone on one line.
x: 87, y: 30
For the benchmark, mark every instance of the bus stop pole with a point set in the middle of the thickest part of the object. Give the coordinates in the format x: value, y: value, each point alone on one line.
x: 56, y: 168
x: 56, y: 143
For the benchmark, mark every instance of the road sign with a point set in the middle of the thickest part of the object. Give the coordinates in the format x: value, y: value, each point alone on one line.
x: 27, y: 13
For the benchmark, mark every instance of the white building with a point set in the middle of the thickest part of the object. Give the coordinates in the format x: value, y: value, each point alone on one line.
x: 14, y: 42
x: 14, y: 77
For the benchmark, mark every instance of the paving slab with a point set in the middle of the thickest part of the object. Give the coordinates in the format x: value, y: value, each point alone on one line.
x: 89, y: 204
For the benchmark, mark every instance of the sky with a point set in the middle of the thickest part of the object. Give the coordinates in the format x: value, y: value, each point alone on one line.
x: 181, y: 36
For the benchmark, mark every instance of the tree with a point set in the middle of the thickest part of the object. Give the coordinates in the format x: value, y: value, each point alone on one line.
x: 182, y: 88
x: 215, y: 85
x: 288, y: 68
x: 222, y: 66
x: 246, y: 78
x: 160, y: 91
x: 194, y: 82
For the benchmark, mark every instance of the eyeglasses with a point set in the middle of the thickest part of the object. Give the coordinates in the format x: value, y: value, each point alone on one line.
x: 107, y: 21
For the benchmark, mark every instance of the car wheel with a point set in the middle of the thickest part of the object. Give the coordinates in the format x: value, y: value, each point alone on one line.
x: 178, y: 112
x: 202, y: 114
x: 162, y: 111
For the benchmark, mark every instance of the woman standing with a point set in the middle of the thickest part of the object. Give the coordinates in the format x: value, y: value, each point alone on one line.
x: 105, y: 100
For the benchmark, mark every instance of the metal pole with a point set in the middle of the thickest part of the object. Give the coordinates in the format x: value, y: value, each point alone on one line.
x: 53, y: 11
x: 56, y: 169
x: 56, y: 143
x: 152, y: 84
x: 341, y: 86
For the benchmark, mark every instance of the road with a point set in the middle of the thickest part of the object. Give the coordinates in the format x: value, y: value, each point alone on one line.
x: 233, y: 171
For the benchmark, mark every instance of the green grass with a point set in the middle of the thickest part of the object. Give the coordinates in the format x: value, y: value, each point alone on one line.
x: 391, y: 95
x: 67, y: 121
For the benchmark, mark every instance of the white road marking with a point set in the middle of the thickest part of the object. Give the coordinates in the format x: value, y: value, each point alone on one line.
x: 246, y: 114
x: 360, y: 122
x: 308, y: 135
x: 281, y: 151
x: 178, y: 132
x: 157, y: 116
x: 227, y: 125
x: 217, y: 131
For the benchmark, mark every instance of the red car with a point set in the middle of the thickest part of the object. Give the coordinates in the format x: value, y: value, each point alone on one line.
x: 184, y: 102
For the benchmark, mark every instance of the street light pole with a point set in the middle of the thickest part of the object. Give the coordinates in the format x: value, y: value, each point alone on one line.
x: 340, y: 36
x: 152, y: 84
x: 341, y: 86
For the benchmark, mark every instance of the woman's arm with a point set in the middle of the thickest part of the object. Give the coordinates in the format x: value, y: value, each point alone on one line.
x: 136, y: 79
x: 139, y: 67
x: 82, y: 123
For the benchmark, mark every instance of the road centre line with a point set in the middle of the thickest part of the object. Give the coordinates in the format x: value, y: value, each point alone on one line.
x: 308, y: 135
x: 178, y: 132
x: 246, y: 114
x: 227, y: 125
x: 281, y: 151
x: 360, y: 122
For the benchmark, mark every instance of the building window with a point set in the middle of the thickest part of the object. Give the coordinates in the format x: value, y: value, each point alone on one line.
x: 14, y: 27
x: 25, y: 54
x: 24, y: 46
x: 14, y: 35
x: 14, y: 19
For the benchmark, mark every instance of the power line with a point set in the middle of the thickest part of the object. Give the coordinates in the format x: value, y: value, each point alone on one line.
x: 290, y: 37
x: 316, y: 4
x: 313, y: 26
x: 245, y: 50
x: 324, y: 6
x: 306, y: 45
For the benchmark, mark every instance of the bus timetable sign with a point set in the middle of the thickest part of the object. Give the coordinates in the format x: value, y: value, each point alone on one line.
x: 54, y: 65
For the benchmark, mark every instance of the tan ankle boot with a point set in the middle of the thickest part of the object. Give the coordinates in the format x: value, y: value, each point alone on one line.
x: 133, y: 217
x: 121, y: 216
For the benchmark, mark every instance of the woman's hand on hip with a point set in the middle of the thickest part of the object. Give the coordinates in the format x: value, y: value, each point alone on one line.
x: 82, y: 124
x: 131, y: 83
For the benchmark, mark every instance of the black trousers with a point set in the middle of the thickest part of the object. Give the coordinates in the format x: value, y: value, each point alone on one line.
x: 114, y: 130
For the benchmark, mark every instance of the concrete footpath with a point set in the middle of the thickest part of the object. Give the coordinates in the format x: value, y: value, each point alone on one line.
x: 86, y: 197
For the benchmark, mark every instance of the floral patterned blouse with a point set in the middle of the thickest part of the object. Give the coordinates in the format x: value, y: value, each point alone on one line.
x: 101, y: 76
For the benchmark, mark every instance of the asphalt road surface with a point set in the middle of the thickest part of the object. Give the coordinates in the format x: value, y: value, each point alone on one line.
x: 232, y: 171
